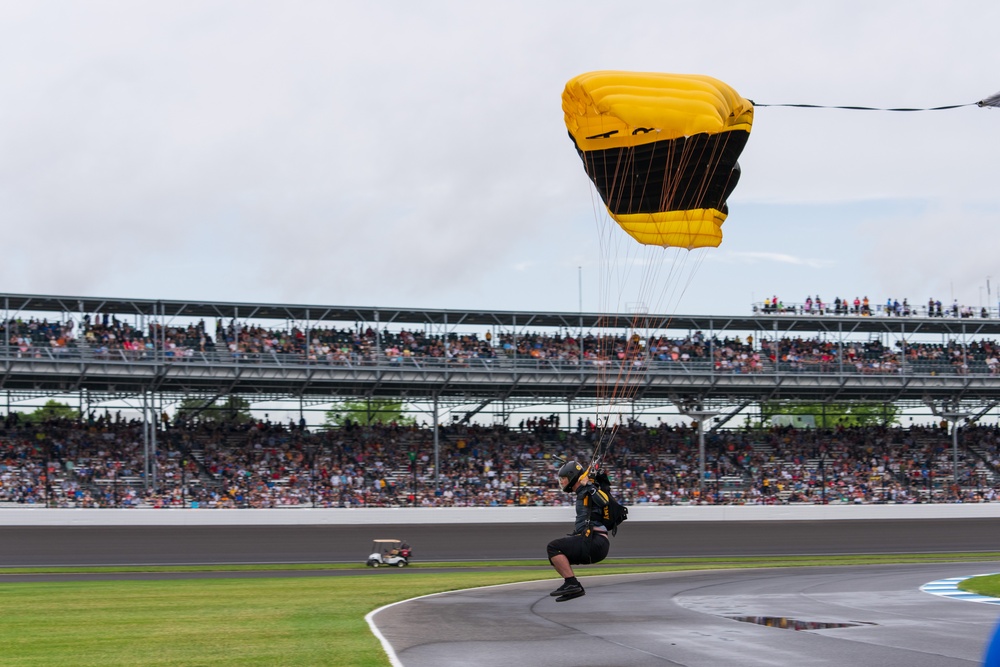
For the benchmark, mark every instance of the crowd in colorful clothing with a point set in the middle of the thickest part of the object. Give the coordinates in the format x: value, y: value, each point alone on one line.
x: 863, y: 307
x: 736, y: 354
x: 102, y: 463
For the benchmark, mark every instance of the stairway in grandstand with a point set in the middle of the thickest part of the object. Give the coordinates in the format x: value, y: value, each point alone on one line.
x: 984, y: 472
x: 205, y: 477
x: 941, y: 463
x: 400, y: 477
x: 195, y: 448
x: 737, y: 485
x: 765, y: 453
x: 114, y: 488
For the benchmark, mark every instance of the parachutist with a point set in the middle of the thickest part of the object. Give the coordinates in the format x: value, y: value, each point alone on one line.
x: 589, y: 542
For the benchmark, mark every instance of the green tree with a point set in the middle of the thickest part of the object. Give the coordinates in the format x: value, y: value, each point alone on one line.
x: 831, y: 415
x: 51, y: 410
x: 367, y: 412
x: 227, y: 410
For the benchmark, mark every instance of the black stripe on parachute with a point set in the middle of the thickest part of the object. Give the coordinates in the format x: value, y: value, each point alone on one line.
x: 693, y: 172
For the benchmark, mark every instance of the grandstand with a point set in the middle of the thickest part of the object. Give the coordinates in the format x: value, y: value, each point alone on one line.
x: 110, y: 353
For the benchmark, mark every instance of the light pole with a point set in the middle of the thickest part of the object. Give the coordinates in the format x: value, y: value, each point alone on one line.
x: 822, y: 474
x: 954, y: 418
x: 699, y: 416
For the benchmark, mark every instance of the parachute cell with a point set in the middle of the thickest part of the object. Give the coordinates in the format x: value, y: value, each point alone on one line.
x: 661, y: 149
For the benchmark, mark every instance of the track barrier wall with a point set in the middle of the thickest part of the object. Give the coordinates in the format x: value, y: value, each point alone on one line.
x: 40, y: 516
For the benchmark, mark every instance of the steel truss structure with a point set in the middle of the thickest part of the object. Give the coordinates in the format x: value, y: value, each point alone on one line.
x: 482, y: 381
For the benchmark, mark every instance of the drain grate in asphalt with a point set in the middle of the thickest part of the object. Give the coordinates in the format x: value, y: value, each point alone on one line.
x: 794, y: 623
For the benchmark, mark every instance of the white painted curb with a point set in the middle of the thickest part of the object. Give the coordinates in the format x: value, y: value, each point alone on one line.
x: 390, y: 651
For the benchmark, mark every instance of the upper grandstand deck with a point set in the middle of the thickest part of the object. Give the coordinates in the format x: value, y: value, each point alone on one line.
x: 791, y: 320
x: 722, y: 358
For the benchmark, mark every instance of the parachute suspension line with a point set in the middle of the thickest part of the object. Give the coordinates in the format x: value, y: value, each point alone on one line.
x: 649, y: 266
x: 613, y: 393
x: 609, y: 272
x: 666, y: 190
x: 633, y: 364
x: 680, y: 275
x: 607, y: 389
x: 700, y: 187
x: 616, y: 273
x: 613, y: 271
x: 674, y: 286
x: 684, y: 268
x: 993, y: 101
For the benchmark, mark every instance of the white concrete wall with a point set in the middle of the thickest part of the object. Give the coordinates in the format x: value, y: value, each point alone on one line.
x: 39, y: 516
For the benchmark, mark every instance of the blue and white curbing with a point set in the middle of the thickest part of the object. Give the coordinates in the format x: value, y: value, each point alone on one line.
x: 948, y: 588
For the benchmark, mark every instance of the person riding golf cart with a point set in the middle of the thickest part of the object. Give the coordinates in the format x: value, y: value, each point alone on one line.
x: 389, y: 552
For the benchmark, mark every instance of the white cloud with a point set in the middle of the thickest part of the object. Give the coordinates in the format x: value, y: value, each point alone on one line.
x: 946, y: 253
x: 751, y: 257
x: 403, y: 154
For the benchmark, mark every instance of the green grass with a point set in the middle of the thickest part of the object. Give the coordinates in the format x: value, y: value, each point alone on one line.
x: 988, y: 585
x: 271, y: 621
x: 734, y: 561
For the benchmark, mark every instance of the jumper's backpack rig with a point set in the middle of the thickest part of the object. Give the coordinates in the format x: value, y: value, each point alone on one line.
x: 614, y: 513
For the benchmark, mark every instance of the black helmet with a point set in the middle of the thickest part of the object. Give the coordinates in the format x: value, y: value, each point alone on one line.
x: 571, y: 470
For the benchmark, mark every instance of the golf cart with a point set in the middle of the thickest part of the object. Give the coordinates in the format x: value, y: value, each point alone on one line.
x: 389, y: 552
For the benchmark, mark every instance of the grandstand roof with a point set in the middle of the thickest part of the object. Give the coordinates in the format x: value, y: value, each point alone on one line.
x: 170, y: 308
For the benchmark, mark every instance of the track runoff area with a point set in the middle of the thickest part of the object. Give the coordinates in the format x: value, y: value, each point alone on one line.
x: 660, y: 607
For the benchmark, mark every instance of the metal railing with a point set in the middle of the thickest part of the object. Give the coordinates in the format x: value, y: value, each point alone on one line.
x: 502, y: 362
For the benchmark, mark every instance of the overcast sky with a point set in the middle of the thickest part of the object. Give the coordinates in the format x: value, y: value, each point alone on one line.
x: 414, y: 153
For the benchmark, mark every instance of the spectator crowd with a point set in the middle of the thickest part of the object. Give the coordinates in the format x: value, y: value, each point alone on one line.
x: 102, y: 463
x: 105, y: 336
x: 863, y: 307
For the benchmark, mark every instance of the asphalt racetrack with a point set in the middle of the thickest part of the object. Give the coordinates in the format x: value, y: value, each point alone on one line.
x: 872, y: 616
x: 176, y: 545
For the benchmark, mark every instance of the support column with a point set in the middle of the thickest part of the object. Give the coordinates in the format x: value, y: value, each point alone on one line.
x: 155, y: 427
x: 953, y: 415
x: 437, y: 445
x: 145, y: 440
x: 699, y: 415
x: 954, y: 418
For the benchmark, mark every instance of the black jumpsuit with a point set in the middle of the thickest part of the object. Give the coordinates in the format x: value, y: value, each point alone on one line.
x: 589, y: 542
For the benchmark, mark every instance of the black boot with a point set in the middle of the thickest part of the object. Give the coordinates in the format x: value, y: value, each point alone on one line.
x: 570, y: 596
x: 569, y: 590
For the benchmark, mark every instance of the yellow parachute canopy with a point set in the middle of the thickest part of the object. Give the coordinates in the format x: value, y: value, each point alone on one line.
x: 661, y: 149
